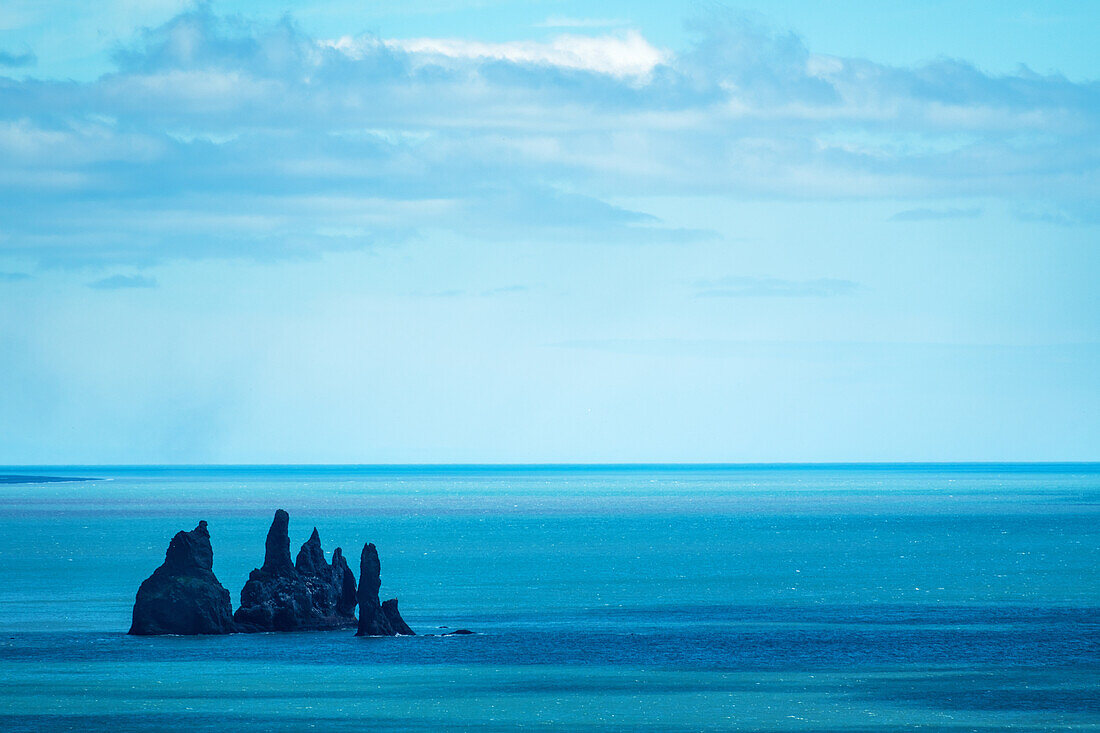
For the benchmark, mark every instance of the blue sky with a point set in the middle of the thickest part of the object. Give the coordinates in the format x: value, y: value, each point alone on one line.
x: 525, y: 232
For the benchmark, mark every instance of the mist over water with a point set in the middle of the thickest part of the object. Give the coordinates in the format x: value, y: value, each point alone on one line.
x: 956, y: 597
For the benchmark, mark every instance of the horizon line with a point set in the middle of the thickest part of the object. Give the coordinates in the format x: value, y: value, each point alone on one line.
x: 565, y: 464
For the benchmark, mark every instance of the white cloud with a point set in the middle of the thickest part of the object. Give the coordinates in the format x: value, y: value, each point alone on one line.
x: 621, y: 55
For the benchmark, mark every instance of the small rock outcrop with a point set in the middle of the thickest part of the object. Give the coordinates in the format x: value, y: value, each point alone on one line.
x: 389, y: 610
x: 183, y: 596
x: 375, y: 618
x: 281, y: 596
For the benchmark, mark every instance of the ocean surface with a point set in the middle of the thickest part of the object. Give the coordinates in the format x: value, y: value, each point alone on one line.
x: 765, y: 598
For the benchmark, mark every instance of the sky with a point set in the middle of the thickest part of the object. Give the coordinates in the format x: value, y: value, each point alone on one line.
x: 478, y: 231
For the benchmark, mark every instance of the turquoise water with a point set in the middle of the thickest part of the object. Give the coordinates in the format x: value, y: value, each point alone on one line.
x: 812, y: 598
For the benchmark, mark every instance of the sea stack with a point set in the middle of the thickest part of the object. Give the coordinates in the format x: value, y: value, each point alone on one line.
x: 183, y: 596
x: 375, y: 618
x: 331, y: 586
x: 282, y: 597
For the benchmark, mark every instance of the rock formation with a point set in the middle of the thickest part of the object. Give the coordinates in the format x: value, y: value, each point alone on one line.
x: 331, y: 587
x: 281, y: 597
x: 389, y: 610
x: 375, y: 618
x: 183, y: 596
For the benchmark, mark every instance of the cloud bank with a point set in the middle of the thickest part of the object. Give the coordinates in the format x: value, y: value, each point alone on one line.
x: 216, y: 137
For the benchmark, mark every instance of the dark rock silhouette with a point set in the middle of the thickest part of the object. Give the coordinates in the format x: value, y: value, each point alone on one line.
x: 277, y: 545
x: 281, y: 597
x: 331, y: 587
x: 311, y: 558
x: 346, y: 602
x: 183, y: 596
x: 375, y: 618
x: 458, y: 632
x: 389, y: 609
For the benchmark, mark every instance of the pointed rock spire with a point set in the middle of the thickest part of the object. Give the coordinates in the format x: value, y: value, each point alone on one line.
x: 311, y: 558
x: 183, y: 596
x: 370, y: 573
x: 344, y: 579
x: 372, y: 619
x: 277, y: 548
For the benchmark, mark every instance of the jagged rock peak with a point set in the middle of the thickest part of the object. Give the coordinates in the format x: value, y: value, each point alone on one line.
x: 277, y: 547
x: 283, y: 597
x: 311, y: 558
x: 183, y: 596
x: 190, y: 550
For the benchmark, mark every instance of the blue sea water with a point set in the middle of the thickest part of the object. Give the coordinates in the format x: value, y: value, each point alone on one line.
x: 766, y: 598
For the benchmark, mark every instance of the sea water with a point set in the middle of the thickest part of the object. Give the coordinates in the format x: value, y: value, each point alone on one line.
x: 785, y: 598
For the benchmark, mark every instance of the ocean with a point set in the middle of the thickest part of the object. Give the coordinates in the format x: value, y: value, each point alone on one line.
x: 962, y: 597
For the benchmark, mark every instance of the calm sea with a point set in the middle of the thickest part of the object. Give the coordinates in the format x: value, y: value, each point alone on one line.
x: 765, y: 598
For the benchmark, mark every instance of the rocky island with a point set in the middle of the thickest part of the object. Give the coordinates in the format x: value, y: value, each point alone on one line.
x: 184, y: 597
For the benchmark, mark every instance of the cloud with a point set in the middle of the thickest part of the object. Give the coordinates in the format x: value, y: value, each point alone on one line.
x: 934, y: 214
x: 771, y: 287
x: 119, y: 282
x: 27, y: 58
x: 220, y: 137
x: 627, y: 55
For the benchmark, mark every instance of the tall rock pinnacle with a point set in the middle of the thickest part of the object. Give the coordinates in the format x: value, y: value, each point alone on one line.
x: 374, y: 619
x: 345, y: 606
x: 277, y: 547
